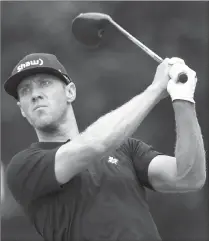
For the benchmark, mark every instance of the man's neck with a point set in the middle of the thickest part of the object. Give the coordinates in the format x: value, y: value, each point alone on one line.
x: 57, y: 136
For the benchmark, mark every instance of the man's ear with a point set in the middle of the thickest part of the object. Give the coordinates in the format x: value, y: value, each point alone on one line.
x: 22, y: 112
x: 71, y: 92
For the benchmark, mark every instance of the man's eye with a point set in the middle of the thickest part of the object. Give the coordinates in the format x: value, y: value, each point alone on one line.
x: 45, y: 83
x: 24, y: 91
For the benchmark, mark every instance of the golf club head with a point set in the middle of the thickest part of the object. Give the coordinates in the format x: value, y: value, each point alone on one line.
x: 88, y: 28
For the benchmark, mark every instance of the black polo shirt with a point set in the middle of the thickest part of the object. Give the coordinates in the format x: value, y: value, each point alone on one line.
x: 105, y: 202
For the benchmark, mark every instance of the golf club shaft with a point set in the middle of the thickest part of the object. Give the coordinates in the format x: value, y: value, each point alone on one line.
x: 137, y: 42
x: 182, y: 76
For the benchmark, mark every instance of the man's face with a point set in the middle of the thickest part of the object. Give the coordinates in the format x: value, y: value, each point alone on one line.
x: 43, y: 100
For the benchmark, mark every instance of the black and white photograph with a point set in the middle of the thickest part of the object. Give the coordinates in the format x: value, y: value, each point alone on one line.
x: 104, y: 120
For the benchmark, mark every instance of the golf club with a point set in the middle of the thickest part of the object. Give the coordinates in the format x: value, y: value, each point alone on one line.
x: 88, y: 28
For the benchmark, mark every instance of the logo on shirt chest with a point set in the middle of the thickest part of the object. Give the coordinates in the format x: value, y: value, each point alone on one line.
x: 112, y: 160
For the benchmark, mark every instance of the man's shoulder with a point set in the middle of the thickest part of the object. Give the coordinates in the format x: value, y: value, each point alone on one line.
x: 131, y: 143
x: 34, y: 150
x: 21, y: 155
x: 16, y: 161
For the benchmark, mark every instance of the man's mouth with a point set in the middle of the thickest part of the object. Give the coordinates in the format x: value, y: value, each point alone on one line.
x: 38, y: 107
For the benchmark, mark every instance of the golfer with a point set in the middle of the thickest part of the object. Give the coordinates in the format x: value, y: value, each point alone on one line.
x: 90, y: 186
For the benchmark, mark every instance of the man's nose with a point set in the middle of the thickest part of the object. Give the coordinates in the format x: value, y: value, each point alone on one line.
x: 36, y: 94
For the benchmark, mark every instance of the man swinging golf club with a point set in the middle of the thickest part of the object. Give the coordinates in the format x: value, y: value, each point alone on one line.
x: 91, y: 185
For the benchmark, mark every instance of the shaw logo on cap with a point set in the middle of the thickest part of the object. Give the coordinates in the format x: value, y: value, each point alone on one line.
x: 29, y: 63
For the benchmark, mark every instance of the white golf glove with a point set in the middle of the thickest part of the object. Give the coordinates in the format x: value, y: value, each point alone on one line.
x: 178, y: 90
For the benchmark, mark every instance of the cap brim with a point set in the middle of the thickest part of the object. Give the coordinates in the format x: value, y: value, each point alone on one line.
x: 13, y: 81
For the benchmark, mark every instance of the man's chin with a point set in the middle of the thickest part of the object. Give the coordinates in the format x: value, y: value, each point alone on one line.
x: 45, y: 126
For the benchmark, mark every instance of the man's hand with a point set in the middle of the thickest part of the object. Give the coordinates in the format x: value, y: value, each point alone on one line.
x: 178, y: 90
x: 162, y: 76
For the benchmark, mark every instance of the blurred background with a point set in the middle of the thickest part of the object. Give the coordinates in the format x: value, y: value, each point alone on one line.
x: 106, y: 77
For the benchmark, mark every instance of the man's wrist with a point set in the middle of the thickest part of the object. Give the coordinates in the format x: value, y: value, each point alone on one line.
x: 182, y: 97
x: 183, y: 105
x: 156, y: 90
x: 183, y: 102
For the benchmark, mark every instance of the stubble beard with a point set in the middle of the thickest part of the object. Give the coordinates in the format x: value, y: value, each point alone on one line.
x: 49, y: 124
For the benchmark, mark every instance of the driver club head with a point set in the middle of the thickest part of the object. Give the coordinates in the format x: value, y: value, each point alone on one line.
x: 88, y: 28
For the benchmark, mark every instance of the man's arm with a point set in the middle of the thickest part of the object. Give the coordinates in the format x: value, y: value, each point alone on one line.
x: 190, y: 167
x: 109, y: 131
x: 104, y: 135
x: 187, y: 170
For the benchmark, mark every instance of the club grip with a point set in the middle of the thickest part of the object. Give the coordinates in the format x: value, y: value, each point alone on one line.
x: 182, y: 78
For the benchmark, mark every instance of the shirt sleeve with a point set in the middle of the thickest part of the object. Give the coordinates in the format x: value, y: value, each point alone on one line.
x: 31, y: 174
x: 142, y: 154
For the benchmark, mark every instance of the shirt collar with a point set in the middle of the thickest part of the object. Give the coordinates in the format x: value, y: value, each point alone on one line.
x: 48, y: 145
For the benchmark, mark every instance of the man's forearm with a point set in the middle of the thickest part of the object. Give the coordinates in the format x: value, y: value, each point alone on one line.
x: 113, y: 128
x: 189, y: 151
